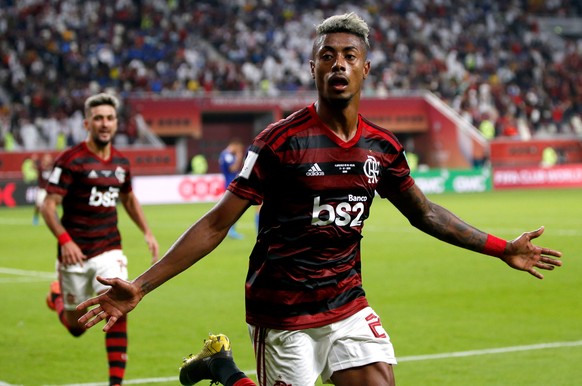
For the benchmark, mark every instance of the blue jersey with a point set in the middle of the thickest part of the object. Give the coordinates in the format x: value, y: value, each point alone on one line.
x: 225, y: 161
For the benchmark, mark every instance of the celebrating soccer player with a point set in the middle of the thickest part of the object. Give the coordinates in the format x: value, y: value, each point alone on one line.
x: 87, y: 180
x: 316, y: 174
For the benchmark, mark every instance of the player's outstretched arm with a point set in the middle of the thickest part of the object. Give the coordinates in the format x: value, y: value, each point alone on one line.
x: 441, y: 223
x: 523, y: 255
x: 198, y: 241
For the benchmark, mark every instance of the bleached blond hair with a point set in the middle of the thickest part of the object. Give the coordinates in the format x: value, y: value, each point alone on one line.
x: 98, y: 100
x: 348, y: 22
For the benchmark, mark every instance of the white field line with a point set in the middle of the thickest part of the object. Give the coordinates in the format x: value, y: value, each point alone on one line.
x: 489, y: 351
x: 457, y: 354
x: 24, y: 276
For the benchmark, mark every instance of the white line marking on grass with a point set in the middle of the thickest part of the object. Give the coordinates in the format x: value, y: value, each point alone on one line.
x: 501, y: 350
x: 457, y: 354
x: 17, y: 280
x: 125, y: 382
x: 24, y: 276
x: 27, y: 274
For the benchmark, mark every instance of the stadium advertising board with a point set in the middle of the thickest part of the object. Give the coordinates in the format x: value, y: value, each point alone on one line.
x: 16, y: 193
x: 538, y: 177
x: 178, y: 189
x: 185, y: 189
x: 173, y: 189
x: 453, y: 181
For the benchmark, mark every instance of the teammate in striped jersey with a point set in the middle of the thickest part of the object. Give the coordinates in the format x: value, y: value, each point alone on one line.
x: 87, y: 181
x: 316, y: 174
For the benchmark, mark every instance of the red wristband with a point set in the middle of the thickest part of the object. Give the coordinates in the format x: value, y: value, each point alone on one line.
x: 64, y: 238
x: 494, y: 246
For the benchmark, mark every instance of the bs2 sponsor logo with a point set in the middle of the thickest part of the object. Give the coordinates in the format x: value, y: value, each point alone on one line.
x: 106, y: 199
x: 342, y: 214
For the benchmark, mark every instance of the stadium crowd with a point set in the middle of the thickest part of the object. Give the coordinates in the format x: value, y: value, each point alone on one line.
x: 489, y: 60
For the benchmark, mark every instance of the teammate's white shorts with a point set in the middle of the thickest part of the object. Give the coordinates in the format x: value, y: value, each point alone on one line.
x: 79, y: 283
x: 40, y: 196
x: 298, y: 358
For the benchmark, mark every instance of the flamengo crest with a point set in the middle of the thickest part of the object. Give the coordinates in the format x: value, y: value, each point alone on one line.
x: 372, y: 169
x: 120, y: 174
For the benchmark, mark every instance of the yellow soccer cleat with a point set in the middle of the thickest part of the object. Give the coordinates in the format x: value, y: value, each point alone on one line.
x: 197, y: 367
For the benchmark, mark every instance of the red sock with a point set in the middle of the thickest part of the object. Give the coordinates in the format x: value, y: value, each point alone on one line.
x: 60, y: 309
x: 244, y: 382
x: 116, y: 345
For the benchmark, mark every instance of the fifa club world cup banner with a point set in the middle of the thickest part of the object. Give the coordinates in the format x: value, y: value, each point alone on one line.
x: 538, y: 177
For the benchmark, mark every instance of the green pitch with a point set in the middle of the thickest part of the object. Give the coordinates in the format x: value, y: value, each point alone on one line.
x: 455, y: 317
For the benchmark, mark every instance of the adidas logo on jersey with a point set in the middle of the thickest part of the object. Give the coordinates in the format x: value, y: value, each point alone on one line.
x: 314, y: 170
x: 93, y: 174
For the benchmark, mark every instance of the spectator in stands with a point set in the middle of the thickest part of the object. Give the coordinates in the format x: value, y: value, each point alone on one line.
x: 450, y: 48
x: 487, y: 127
x: 29, y: 169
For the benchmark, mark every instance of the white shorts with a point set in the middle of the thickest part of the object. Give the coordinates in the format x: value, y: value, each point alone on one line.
x: 299, y: 357
x: 79, y: 283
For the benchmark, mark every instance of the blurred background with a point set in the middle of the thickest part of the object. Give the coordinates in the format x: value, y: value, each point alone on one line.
x: 465, y: 85
x: 486, y: 96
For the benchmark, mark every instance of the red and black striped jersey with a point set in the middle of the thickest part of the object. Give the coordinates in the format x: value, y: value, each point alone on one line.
x: 316, y: 191
x: 90, y: 187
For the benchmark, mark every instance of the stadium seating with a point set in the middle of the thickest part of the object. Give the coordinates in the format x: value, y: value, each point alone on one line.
x: 494, y: 59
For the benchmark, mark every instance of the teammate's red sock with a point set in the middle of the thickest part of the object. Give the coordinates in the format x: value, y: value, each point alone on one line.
x: 57, y: 300
x: 116, y: 345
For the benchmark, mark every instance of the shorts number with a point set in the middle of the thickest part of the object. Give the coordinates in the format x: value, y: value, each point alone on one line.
x: 376, y: 326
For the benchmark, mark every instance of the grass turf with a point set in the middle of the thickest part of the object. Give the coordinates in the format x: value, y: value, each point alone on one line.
x: 455, y: 317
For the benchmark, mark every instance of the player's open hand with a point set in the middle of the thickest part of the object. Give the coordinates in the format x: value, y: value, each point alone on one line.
x: 523, y: 255
x: 111, y: 305
x: 71, y: 254
x: 152, y: 246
